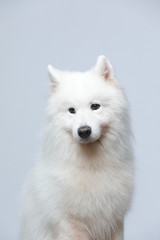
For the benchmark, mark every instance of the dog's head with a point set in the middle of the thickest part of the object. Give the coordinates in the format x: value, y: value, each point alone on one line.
x: 86, y: 105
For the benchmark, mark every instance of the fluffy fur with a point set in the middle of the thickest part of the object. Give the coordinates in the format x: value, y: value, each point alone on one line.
x: 81, y: 188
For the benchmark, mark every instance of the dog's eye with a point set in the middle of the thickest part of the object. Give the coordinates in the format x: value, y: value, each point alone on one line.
x: 95, y: 106
x: 72, y: 110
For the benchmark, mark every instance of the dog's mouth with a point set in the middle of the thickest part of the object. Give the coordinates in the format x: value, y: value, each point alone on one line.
x: 88, y: 140
x: 85, y: 141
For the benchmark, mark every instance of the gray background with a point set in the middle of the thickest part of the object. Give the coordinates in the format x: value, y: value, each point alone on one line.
x: 71, y: 34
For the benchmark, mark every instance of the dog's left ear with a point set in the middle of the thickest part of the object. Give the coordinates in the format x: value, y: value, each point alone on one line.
x: 104, y: 68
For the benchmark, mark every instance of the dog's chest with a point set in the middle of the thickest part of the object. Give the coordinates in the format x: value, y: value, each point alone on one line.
x: 91, y: 194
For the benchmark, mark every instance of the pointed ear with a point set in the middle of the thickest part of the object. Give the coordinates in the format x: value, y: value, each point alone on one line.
x: 103, y: 67
x: 53, y: 75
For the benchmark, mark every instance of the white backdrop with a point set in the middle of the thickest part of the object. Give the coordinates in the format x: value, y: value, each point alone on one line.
x: 71, y: 34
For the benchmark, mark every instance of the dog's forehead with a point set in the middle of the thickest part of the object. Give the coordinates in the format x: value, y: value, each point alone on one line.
x: 83, y: 83
x: 82, y: 91
x: 76, y: 78
x: 81, y: 88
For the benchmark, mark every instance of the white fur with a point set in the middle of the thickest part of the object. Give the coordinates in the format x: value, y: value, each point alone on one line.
x: 81, y: 190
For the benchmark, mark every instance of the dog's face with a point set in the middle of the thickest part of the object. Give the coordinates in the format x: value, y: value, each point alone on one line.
x: 85, y: 105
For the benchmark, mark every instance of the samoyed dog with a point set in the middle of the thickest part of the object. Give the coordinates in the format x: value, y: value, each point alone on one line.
x: 81, y: 188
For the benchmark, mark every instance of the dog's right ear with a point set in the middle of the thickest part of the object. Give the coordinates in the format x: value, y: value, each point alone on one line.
x: 53, y: 74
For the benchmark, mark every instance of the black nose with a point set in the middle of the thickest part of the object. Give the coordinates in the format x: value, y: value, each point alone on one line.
x: 84, y: 132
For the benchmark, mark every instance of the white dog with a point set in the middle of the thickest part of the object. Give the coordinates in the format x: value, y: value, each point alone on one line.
x: 82, y: 186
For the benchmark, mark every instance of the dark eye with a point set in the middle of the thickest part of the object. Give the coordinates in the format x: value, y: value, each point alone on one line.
x: 95, y: 106
x: 72, y: 110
